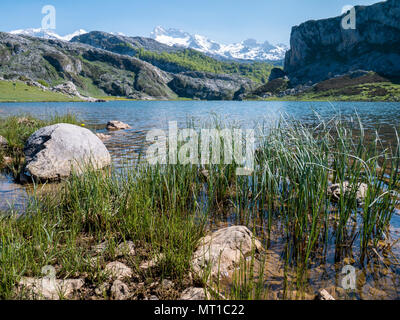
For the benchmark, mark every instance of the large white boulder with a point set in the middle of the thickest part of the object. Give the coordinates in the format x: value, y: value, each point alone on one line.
x: 53, y: 152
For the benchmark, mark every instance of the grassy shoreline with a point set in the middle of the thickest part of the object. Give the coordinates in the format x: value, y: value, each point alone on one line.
x: 159, y: 209
x: 25, y: 93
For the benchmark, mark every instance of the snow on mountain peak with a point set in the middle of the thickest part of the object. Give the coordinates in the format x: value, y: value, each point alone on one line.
x: 249, y: 49
x: 47, y: 33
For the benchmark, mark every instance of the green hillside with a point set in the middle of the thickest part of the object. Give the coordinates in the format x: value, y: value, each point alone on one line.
x: 191, y: 60
x: 21, y: 92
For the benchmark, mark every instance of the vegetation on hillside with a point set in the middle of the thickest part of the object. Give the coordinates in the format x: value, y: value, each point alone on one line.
x: 192, y: 60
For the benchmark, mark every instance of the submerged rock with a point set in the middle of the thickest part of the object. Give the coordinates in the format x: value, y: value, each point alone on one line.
x: 335, y: 190
x: 49, y: 289
x: 223, y: 250
x: 117, y: 125
x: 53, y: 152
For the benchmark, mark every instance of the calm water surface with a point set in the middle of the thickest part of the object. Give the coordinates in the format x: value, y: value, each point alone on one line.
x: 147, y: 115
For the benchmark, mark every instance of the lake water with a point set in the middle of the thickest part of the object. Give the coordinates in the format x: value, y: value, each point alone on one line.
x: 146, y: 115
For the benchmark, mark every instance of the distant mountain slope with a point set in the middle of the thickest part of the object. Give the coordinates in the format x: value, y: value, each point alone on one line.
x: 47, y: 34
x: 323, y: 49
x: 173, y: 59
x: 98, y: 72
x: 245, y: 50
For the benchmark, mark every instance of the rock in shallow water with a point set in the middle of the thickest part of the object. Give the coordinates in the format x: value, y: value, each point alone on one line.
x: 53, y: 152
x: 117, y: 125
x: 335, y: 190
x: 223, y: 250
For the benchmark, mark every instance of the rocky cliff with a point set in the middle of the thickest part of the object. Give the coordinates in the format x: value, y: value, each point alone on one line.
x: 323, y: 49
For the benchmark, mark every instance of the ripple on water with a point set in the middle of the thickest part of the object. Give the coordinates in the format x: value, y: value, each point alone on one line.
x: 12, y: 195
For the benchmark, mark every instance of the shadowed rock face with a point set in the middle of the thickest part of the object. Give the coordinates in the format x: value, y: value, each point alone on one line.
x: 322, y: 49
x: 203, y: 85
x: 53, y: 152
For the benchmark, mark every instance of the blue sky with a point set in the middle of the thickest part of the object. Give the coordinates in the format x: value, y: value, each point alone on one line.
x: 221, y: 20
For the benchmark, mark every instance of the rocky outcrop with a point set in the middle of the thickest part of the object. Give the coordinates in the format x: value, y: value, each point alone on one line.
x: 223, y: 250
x: 209, y: 86
x: 53, y: 152
x: 70, y: 89
x: 323, y: 49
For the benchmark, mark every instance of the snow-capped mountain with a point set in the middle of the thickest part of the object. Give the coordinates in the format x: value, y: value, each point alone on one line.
x: 249, y: 49
x: 47, y: 34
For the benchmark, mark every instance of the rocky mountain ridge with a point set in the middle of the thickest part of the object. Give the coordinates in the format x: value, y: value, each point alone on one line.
x: 93, y: 69
x: 47, y: 34
x: 249, y: 49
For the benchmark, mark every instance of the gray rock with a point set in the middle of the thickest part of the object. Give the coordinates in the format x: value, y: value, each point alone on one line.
x: 53, y: 152
x: 126, y: 248
x: 119, y: 291
x: 49, y: 289
x: 224, y: 249
x: 336, y: 189
x: 118, y: 270
x: 3, y: 143
x: 195, y: 294
x: 70, y: 89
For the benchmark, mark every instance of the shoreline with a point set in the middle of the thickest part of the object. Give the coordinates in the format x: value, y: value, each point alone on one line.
x: 196, y: 100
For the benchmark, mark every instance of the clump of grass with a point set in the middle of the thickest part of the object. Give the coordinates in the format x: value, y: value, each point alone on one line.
x: 148, y: 206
